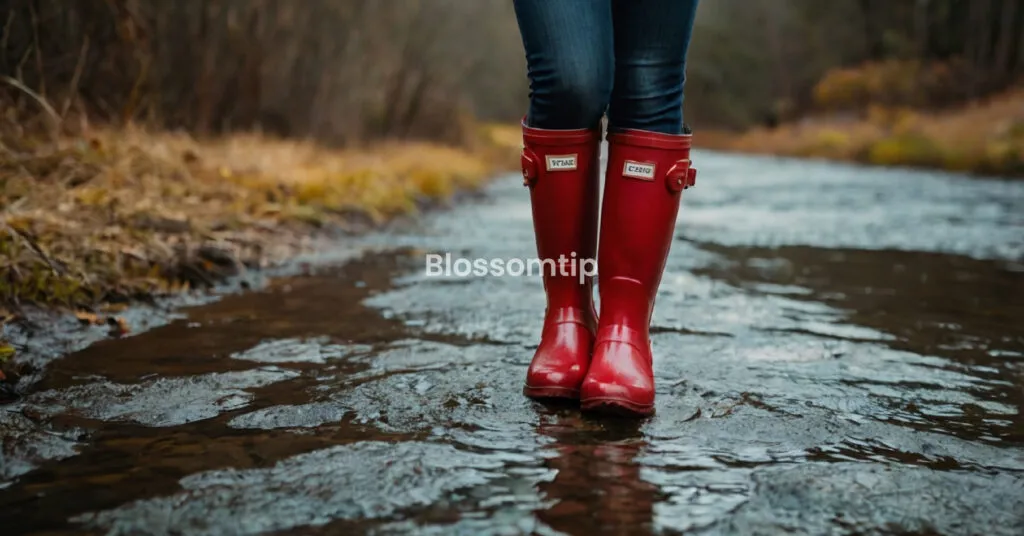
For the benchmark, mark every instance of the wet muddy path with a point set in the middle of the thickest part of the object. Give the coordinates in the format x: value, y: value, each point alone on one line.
x: 839, y: 350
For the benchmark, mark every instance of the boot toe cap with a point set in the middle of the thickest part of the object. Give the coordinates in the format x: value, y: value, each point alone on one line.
x: 638, y: 395
x: 568, y: 377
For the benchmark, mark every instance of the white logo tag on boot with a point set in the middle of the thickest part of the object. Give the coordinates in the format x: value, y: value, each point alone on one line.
x: 565, y: 162
x: 638, y: 170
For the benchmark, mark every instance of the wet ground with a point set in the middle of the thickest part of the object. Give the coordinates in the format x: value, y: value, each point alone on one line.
x: 839, y: 350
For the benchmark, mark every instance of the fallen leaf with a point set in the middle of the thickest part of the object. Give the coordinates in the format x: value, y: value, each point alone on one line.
x: 88, y: 318
x: 115, y: 307
x: 118, y: 326
x: 6, y: 352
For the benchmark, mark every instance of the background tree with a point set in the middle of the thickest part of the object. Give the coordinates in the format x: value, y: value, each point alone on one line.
x: 348, y: 71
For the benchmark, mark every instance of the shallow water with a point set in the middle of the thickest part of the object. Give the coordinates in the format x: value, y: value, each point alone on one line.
x: 838, y: 350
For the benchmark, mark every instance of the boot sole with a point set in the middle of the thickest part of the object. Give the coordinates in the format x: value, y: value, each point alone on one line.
x: 616, y: 406
x: 541, y: 393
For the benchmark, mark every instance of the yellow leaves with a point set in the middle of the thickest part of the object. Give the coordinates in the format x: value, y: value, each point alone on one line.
x: 21, y: 224
x: 983, y: 138
x: 907, y: 149
x: 313, y: 191
x: 381, y: 181
x: 828, y: 142
x: 432, y: 184
x: 1004, y: 156
x: 841, y: 88
x: 898, y: 120
x: 892, y: 82
x: 501, y: 134
x: 118, y: 325
x: 92, y: 196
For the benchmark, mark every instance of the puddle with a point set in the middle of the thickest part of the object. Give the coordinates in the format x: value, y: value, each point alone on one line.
x: 838, y: 350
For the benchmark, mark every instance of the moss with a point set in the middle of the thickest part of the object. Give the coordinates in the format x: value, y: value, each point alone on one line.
x: 1003, y: 157
x: 1015, y: 131
x: 828, y: 143
x: 963, y: 161
x: 905, y: 150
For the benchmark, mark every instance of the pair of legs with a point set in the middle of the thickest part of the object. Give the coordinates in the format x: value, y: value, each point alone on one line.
x: 626, y: 57
x: 586, y: 57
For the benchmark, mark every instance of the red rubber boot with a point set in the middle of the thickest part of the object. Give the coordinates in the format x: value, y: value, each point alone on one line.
x: 646, y: 173
x: 561, y: 169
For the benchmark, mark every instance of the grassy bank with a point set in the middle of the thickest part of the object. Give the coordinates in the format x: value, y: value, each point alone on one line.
x: 92, y: 223
x: 985, y: 138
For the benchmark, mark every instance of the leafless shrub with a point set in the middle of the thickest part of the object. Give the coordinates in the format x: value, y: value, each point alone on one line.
x: 342, y: 71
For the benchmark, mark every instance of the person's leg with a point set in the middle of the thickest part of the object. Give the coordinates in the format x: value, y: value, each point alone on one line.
x: 568, y: 47
x: 570, y: 60
x: 651, y: 41
x: 648, y: 167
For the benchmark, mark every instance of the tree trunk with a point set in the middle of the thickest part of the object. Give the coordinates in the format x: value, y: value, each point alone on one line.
x: 974, y: 46
x: 872, y: 39
x: 1002, y: 66
x: 922, y: 24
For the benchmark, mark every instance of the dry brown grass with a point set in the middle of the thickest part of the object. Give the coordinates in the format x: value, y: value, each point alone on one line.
x: 119, y: 215
x: 91, y: 220
x: 985, y: 137
x: 505, y: 135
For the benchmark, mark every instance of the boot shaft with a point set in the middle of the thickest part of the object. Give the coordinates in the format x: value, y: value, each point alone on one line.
x: 561, y: 168
x: 645, y: 176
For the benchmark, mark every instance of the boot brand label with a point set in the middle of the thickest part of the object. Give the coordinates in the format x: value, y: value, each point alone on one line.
x: 564, y: 162
x: 638, y: 170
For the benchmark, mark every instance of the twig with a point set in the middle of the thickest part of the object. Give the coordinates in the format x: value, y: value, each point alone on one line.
x: 39, y: 51
x: 7, y: 34
x: 38, y: 98
x: 73, y: 89
x: 128, y: 112
x: 17, y: 233
x: 21, y: 63
x: 13, y: 207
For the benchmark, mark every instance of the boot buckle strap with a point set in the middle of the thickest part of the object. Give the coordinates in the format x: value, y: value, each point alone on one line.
x: 681, y: 176
x: 528, y: 161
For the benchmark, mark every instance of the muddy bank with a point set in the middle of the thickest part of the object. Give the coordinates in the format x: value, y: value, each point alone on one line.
x: 37, y: 333
x: 94, y: 224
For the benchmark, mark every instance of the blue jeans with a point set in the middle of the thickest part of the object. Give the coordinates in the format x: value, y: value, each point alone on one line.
x: 626, y: 57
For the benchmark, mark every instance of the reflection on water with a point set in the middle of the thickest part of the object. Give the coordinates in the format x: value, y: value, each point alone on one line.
x: 968, y: 312
x: 597, y: 484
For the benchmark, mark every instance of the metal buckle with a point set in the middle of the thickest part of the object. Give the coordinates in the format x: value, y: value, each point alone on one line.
x: 681, y: 177
x: 528, y: 162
